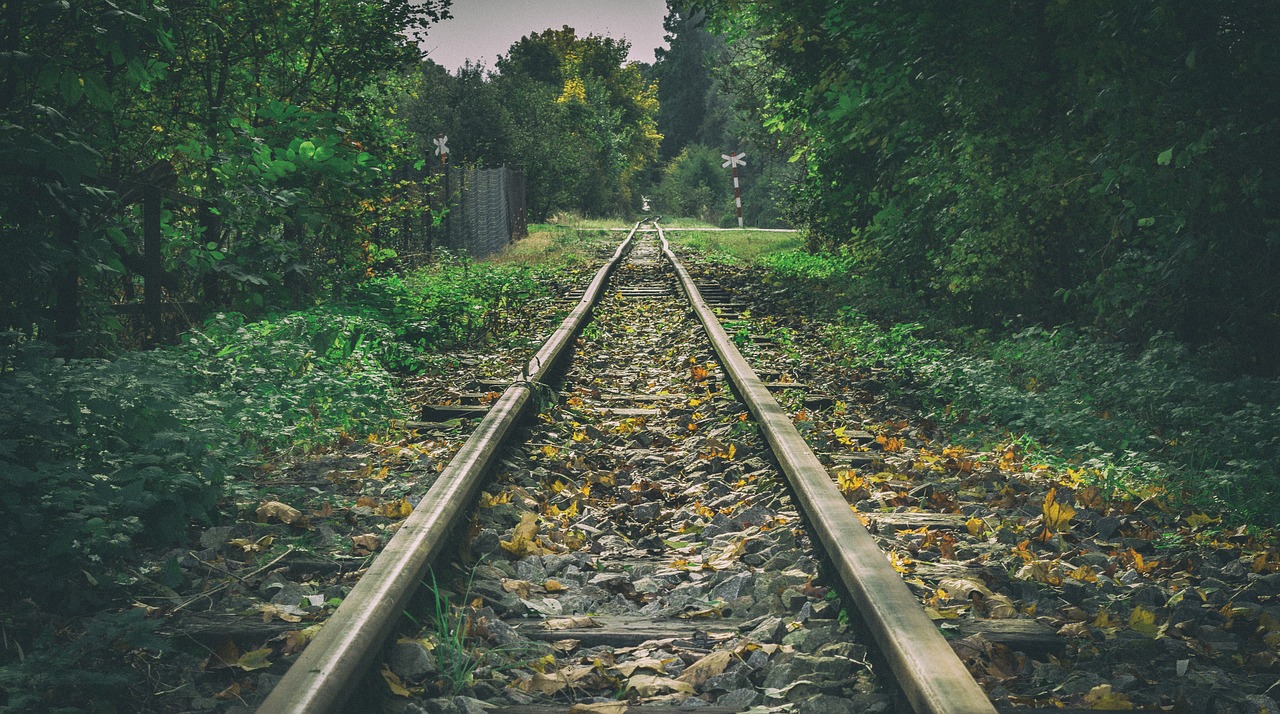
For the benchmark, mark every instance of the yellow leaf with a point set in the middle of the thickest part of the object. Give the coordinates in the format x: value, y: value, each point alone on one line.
x: 394, y: 682
x: 487, y: 501
x: 1199, y: 520
x: 256, y: 659
x: 253, y: 546
x: 524, y: 538
x: 1104, y: 620
x: 976, y: 526
x: 397, y: 509
x: 1102, y: 698
x: 1143, y: 621
x: 281, y: 512
x: 1057, y: 516
x: 1085, y: 574
x: 550, y: 451
x: 553, y: 586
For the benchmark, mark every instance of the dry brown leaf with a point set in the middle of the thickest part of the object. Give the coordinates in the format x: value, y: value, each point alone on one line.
x: 727, y: 556
x: 964, y: 588
x: 366, y: 544
x: 542, y: 684
x: 553, y: 586
x: 569, y: 623
x: 566, y: 645
x: 519, y: 587
x: 652, y: 663
x: 230, y: 692
x: 1000, y: 607
x: 224, y: 656
x: 706, y: 668
x: 648, y: 685
x: 282, y: 512
x: 599, y: 708
x: 270, y: 611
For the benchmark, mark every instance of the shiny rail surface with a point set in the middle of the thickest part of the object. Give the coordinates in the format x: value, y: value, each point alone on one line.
x: 327, y: 671
x: 933, y: 678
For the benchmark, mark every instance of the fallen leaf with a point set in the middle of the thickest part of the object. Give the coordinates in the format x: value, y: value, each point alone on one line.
x: 651, y: 663
x: 553, y: 586
x: 706, y: 668
x: 648, y: 685
x: 1057, y: 515
x: 224, y: 656
x: 282, y: 512
x: 287, y: 614
x: 519, y: 587
x: 394, y: 682
x: 599, y: 708
x: 524, y: 537
x: 230, y: 692
x: 975, y: 526
x: 296, y: 640
x: 1143, y: 621
x: 257, y: 659
x: 250, y: 545
x: 366, y: 544
x: 1103, y: 698
x: 541, y: 684
x: 569, y: 623
x: 566, y: 645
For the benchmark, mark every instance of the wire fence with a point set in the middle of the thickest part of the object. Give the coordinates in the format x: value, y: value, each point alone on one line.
x: 486, y: 210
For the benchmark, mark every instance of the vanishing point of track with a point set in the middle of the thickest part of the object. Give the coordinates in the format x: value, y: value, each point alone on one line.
x: 923, y: 664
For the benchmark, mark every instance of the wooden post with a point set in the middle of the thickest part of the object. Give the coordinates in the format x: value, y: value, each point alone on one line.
x: 152, y: 260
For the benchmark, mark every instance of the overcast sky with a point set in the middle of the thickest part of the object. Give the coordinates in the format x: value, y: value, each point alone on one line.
x: 483, y: 29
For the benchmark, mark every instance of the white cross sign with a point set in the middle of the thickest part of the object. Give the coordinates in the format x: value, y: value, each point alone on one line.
x: 442, y: 149
x: 734, y: 160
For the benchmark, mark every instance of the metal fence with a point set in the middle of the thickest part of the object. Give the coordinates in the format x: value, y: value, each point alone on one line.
x: 486, y: 210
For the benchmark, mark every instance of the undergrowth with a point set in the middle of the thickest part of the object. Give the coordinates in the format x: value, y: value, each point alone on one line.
x: 105, y: 460
x: 1145, y: 419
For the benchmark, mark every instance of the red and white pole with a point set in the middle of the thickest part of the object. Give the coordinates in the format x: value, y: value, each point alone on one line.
x: 733, y: 161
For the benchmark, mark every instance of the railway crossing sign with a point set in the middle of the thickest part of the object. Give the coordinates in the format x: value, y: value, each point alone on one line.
x: 735, y: 160
x: 442, y: 149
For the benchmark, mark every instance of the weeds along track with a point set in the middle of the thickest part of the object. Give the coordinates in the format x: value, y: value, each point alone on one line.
x: 633, y: 547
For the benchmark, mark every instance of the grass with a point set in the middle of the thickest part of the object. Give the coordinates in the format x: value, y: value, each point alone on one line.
x: 745, y: 247
x: 1150, y: 419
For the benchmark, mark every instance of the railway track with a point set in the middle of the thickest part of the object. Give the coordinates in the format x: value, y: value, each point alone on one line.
x: 635, y: 542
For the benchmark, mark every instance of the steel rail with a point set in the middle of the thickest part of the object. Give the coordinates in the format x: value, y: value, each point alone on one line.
x: 924, y: 665
x: 325, y: 674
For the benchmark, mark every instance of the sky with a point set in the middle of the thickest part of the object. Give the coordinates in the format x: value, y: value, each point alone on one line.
x: 480, y: 30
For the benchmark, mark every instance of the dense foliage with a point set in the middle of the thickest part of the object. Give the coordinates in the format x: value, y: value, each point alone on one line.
x: 103, y: 457
x: 569, y: 112
x: 1087, y: 161
x: 261, y: 110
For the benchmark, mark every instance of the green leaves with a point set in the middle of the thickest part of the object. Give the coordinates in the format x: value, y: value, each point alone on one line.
x: 1164, y: 158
